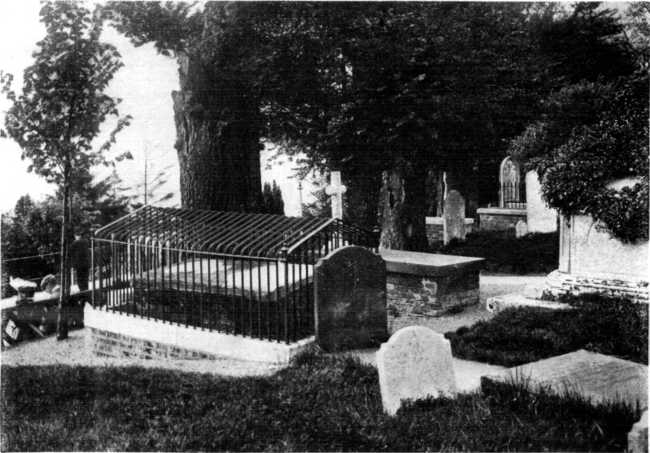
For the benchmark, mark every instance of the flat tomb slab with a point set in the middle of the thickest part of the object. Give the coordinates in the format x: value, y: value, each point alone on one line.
x: 595, y: 376
x: 427, y: 264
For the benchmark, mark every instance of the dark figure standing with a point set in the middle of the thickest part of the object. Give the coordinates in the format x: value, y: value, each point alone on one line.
x: 80, y: 260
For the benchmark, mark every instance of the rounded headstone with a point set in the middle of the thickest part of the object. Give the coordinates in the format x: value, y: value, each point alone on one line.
x: 350, y: 299
x: 521, y: 229
x: 415, y: 363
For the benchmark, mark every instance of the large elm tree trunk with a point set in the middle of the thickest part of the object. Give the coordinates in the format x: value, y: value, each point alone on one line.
x: 403, y: 207
x: 218, y: 141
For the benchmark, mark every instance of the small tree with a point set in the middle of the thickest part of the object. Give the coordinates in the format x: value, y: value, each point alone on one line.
x: 61, y: 108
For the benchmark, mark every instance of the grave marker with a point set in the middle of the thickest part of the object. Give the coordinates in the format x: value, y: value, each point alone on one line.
x: 350, y: 299
x: 336, y: 190
x: 521, y: 229
x: 415, y: 363
x: 454, y: 217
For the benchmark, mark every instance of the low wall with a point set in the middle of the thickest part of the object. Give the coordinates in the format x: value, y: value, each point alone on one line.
x: 500, y: 219
x: 119, y: 335
x: 434, y: 228
x: 427, y: 284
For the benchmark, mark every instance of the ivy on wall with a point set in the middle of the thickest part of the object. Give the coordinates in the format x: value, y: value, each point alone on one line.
x: 592, y: 135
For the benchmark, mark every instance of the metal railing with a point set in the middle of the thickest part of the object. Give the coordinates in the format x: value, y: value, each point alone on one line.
x: 267, y: 297
x: 513, y: 195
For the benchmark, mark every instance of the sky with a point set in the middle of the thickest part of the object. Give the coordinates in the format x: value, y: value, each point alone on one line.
x: 144, y: 84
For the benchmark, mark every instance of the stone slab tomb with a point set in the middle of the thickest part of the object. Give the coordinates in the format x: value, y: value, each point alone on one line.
x: 350, y: 299
x: 414, y: 364
x: 599, y: 377
x: 428, y: 284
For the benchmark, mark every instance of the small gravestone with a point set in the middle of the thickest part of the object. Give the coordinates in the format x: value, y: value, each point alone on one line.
x: 454, y: 217
x: 415, y: 363
x: 521, y: 229
x: 350, y: 299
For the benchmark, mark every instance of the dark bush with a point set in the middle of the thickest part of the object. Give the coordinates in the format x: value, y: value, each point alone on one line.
x: 320, y: 404
x: 535, y: 253
x: 516, y: 336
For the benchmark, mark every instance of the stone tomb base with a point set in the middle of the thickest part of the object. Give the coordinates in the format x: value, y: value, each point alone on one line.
x: 427, y: 284
x: 118, y: 335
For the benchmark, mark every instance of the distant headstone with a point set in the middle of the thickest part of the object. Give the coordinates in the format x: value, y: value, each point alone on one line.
x: 453, y: 217
x: 414, y: 364
x: 521, y: 229
x: 350, y: 301
x: 336, y: 190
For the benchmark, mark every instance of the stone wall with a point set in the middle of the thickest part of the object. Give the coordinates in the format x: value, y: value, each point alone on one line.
x: 500, y: 219
x: 428, y: 284
x: 413, y: 295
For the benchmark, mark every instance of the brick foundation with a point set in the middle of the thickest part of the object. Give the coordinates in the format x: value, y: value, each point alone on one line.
x: 110, y: 344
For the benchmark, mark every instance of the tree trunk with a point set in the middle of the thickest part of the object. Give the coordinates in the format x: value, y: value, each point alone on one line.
x: 218, y: 131
x: 62, y: 315
x: 403, y: 201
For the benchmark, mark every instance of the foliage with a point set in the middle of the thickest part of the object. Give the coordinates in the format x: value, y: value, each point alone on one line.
x: 272, y: 202
x: 593, y: 134
x: 319, y: 404
x: 62, y: 106
x: 535, y: 253
x: 520, y: 335
x: 593, y: 129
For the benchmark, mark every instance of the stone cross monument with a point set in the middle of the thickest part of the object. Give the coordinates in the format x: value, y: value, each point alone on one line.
x: 336, y: 190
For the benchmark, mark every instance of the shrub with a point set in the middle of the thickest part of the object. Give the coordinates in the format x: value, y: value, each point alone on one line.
x: 516, y: 336
x: 536, y: 253
x: 318, y: 404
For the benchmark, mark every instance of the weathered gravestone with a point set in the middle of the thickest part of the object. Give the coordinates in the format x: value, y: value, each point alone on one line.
x: 415, y: 363
x: 454, y: 217
x: 350, y: 299
x: 521, y: 229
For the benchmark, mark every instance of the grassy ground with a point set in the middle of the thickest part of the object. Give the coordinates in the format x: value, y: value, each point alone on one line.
x: 521, y: 335
x: 318, y: 404
x: 535, y: 253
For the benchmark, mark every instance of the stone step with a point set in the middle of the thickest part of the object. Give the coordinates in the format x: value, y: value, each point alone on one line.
x: 499, y: 303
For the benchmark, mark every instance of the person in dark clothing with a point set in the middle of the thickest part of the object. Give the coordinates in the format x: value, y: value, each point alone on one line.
x: 80, y: 260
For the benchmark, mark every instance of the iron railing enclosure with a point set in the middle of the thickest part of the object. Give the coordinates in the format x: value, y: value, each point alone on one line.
x: 237, y: 273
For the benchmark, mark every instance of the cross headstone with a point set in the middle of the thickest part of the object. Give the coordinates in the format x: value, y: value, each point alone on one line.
x: 415, y: 363
x: 336, y: 190
x: 453, y: 225
x: 350, y: 299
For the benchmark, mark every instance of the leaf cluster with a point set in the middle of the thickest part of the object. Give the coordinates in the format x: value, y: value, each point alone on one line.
x: 63, y: 104
x: 592, y: 134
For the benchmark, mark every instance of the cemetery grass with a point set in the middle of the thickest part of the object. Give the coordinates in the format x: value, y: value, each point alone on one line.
x: 535, y: 253
x: 516, y: 336
x: 318, y: 404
